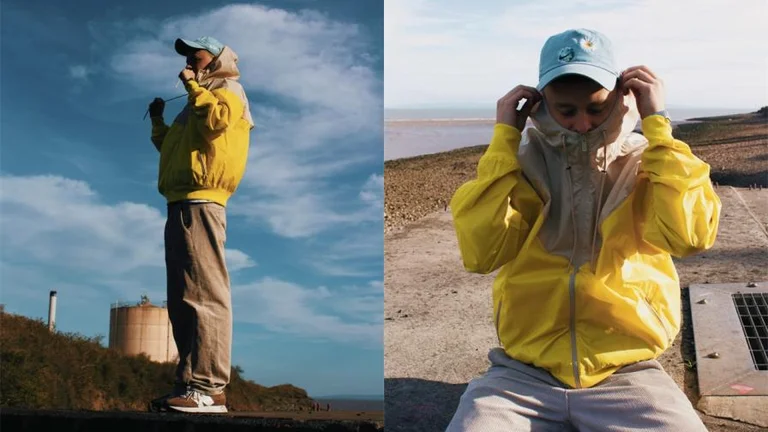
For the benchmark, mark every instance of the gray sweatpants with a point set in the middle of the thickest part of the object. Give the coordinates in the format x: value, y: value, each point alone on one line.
x: 513, y: 396
x: 199, y: 298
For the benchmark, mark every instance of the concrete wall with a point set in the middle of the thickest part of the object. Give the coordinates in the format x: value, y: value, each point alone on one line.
x: 142, y: 329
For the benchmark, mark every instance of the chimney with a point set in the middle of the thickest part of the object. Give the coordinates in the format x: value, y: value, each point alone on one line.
x: 52, y: 311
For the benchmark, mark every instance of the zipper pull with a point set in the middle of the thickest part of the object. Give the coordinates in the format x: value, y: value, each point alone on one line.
x: 583, y: 144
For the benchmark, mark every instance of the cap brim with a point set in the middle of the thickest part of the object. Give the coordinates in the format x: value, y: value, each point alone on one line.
x: 185, y: 47
x: 601, y: 76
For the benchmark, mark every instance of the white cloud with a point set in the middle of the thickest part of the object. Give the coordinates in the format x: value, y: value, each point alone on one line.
x: 311, y: 313
x: 79, y: 72
x: 376, y: 285
x: 357, y: 252
x: 58, y: 232
x: 238, y: 260
x: 708, y: 52
x: 373, y: 191
x: 64, y: 223
x: 329, y: 121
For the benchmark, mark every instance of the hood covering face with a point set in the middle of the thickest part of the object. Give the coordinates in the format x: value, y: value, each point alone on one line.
x: 616, y: 128
x: 582, y: 176
x: 223, y: 73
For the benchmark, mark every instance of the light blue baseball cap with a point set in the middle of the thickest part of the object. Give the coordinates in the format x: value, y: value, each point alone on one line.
x: 185, y: 47
x: 578, y: 51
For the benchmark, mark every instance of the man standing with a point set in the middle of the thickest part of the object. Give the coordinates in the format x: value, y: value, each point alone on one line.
x: 202, y: 160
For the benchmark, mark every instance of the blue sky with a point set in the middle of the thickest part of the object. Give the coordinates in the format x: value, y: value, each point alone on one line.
x: 459, y: 54
x: 81, y: 213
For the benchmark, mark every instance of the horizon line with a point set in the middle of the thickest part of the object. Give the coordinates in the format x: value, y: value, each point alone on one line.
x: 491, y: 107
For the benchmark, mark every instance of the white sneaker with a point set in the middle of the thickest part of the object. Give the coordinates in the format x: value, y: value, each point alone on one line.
x: 195, y: 402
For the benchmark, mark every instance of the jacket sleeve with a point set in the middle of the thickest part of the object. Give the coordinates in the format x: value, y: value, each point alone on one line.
x: 682, y: 210
x: 216, y: 110
x: 159, y: 130
x: 493, y: 213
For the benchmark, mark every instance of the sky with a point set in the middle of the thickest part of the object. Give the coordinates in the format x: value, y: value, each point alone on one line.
x: 79, y: 208
x: 458, y: 54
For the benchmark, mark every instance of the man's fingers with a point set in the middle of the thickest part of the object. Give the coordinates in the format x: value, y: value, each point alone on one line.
x: 525, y: 94
x: 530, y: 93
x: 511, y: 94
x: 647, y: 70
x: 637, y: 85
x: 517, y: 92
x: 506, y: 109
x: 641, y: 75
x: 639, y: 67
x: 533, y: 91
x: 514, y: 97
x: 525, y: 111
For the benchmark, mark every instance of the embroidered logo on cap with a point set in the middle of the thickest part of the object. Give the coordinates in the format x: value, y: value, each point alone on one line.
x: 565, y: 55
x: 587, y: 44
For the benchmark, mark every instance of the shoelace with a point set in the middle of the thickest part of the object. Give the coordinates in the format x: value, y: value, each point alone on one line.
x: 193, y: 395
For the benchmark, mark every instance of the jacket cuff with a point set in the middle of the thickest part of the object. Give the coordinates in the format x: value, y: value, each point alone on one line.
x: 191, y: 85
x: 506, y: 138
x: 657, y: 128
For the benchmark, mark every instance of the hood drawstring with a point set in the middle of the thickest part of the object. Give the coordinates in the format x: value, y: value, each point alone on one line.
x: 603, y: 174
x: 567, y: 166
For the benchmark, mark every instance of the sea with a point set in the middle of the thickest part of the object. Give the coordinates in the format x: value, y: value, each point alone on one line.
x: 415, y: 132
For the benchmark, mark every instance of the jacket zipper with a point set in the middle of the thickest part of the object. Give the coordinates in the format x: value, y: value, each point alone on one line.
x: 202, y: 167
x: 574, y: 351
x: 498, y: 317
x: 658, y: 318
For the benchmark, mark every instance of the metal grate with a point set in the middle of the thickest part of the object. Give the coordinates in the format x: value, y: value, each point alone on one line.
x: 753, y: 314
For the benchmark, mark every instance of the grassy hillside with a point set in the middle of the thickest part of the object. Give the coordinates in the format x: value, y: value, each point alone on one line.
x: 39, y: 369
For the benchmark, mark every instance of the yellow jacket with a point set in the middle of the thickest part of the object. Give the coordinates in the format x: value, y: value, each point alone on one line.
x: 583, y: 228
x: 203, y: 154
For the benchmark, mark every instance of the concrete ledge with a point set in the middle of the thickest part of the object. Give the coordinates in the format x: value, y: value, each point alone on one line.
x: 14, y: 419
x: 750, y: 409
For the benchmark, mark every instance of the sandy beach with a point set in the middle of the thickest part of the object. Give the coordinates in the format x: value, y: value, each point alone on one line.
x: 438, y: 326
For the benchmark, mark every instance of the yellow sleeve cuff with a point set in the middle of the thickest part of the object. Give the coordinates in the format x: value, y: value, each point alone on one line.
x: 191, y: 85
x: 506, y: 138
x: 657, y: 128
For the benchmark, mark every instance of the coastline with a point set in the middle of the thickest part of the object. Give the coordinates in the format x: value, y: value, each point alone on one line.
x: 735, y: 146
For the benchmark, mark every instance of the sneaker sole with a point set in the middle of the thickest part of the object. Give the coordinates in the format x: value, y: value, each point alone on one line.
x: 156, y: 406
x: 208, y: 409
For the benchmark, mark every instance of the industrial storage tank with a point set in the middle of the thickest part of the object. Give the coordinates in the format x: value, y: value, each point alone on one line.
x: 142, y: 328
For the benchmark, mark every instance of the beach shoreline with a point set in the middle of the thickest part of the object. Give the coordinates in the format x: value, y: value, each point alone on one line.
x: 735, y: 146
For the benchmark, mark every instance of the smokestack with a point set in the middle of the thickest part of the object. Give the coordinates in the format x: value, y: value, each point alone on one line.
x: 52, y: 311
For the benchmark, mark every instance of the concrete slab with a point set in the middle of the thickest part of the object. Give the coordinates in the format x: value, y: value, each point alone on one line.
x: 730, y: 383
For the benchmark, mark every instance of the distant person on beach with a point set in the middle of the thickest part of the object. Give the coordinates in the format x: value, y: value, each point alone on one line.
x: 582, y: 217
x: 202, y: 160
